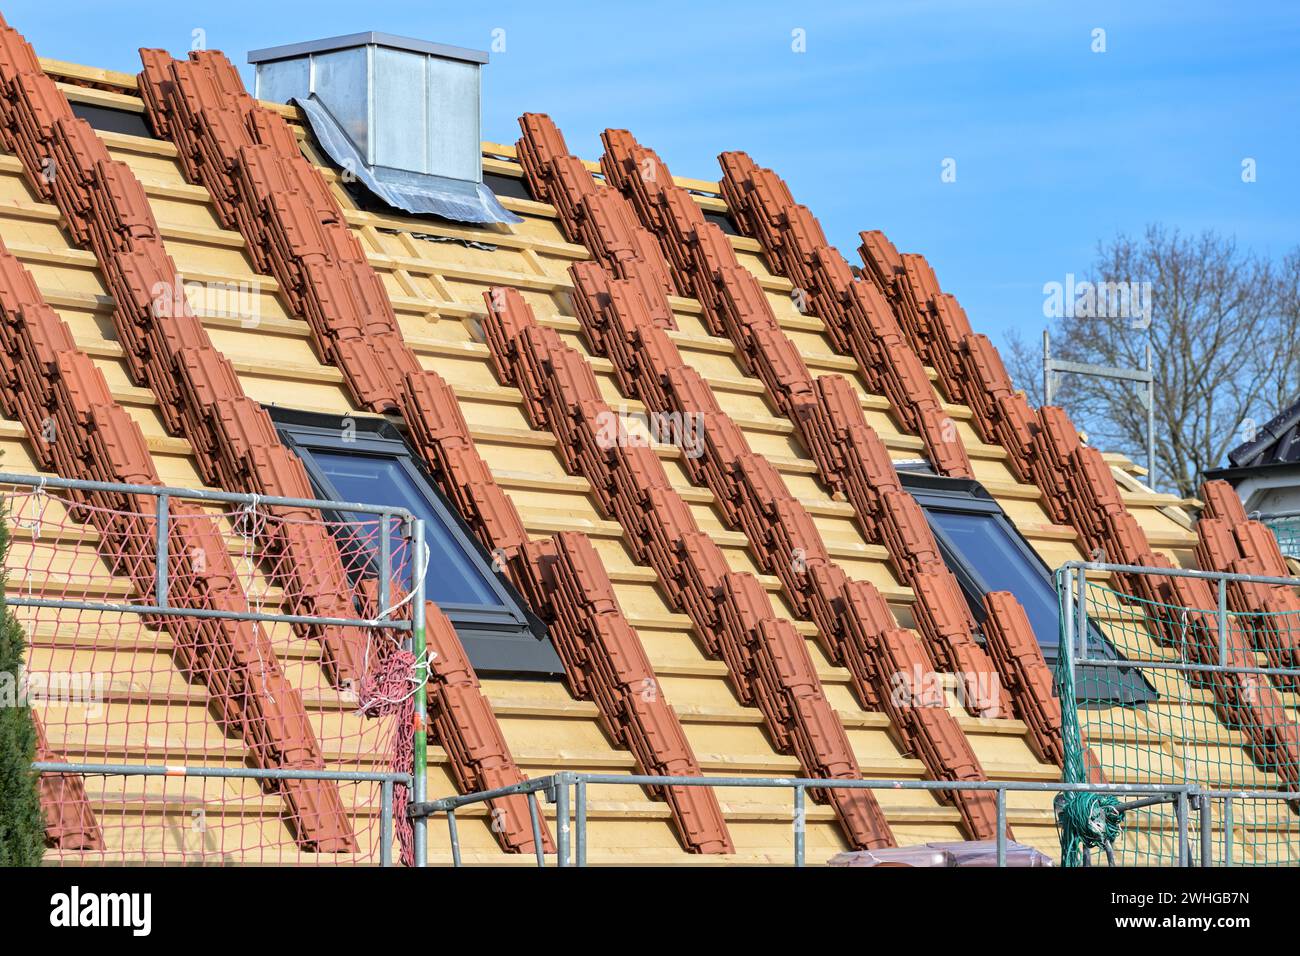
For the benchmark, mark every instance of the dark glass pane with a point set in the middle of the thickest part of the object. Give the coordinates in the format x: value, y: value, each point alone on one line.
x: 986, y: 547
x: 1003, y: 566
x: 453, y: 576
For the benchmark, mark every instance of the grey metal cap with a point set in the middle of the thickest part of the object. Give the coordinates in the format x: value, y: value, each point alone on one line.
x: 291, y: 50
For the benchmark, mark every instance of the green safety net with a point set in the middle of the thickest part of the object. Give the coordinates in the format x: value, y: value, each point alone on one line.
x: 1139, y: 723
x: 1287, y: 532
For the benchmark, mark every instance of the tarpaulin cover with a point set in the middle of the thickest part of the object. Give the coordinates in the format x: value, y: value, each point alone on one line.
x: 968, y: 853
x: 419, y: 193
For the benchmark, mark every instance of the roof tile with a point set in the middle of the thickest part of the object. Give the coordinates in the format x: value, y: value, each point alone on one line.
x: 233, y: 659
x: 768, y: 663
x: 610, y: 321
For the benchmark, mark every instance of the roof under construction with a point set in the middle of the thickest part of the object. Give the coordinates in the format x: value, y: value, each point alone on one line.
x: 752, y: 545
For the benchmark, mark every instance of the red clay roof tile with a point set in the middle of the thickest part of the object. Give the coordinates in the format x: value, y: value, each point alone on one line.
x: 233, y: 659
x: 326, y: 279
x: 604, y: 312
x: 615, y: 671
x: 768, y: 663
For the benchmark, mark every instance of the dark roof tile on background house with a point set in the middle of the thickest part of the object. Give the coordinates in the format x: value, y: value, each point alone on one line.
x: 1277, y: 442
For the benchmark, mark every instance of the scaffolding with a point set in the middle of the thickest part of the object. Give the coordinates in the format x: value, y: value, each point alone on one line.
x: 192, y: 705
x: 225, y: 728
x: 1053, y: 367
x: 1163, y: 682
x: 568, y: 791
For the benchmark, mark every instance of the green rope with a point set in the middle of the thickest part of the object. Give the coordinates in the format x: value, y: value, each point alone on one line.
x: 1083, y: 820
x: 1087, y: 821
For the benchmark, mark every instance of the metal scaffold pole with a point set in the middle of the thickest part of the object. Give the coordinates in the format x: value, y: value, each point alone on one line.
x: 420, y: 756
x: 1147, y: 377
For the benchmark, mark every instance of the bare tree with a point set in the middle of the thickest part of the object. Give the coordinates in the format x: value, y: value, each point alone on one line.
x: 1222, y: 324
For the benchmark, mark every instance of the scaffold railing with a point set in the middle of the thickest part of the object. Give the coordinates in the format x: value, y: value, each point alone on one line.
x: 219, y: 677
x: 1164, y: 679
x: 203, y: 848
x: 1188, y: 843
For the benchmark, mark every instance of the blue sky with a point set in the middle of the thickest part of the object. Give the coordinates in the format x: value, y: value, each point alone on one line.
x: 1056, y: 146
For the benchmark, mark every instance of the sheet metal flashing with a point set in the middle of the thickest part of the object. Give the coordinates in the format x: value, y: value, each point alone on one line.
x: 372, y: 37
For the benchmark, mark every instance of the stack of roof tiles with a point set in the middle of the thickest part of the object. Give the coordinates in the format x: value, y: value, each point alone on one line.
x: 736, y: 307
x: 70, y: 822
x: 235, y: 445
x: 618, y: 321
x: 1079, y: 489
x: 938, y: 332
x: 462, y: 722
x: 1078, y: 486
x: 1228, y: 541
x: 45, y: 380
x: 767, y: 661
x: 1244, y: 700
x: 650, y: 241
x: 610, y: 666
x: 854, y: 621
x: 165, y: 345
x: 903, y: 295
x: 263, y: 186
x: 823, y: 410
x: 858, y: 320
x: 850, y: 456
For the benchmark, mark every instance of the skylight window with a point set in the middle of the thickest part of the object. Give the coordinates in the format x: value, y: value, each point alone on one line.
x: 984, y: 540
x: 986, y: 553
x: 373, y: 465
x: 109, y: 120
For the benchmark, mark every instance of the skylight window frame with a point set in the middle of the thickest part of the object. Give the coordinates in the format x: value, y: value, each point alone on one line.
x: 971, y: 499
x: 506, y: 639
x: 968, y: 496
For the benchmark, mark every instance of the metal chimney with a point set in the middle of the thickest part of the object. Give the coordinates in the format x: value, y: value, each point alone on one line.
x: 402, y: 114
